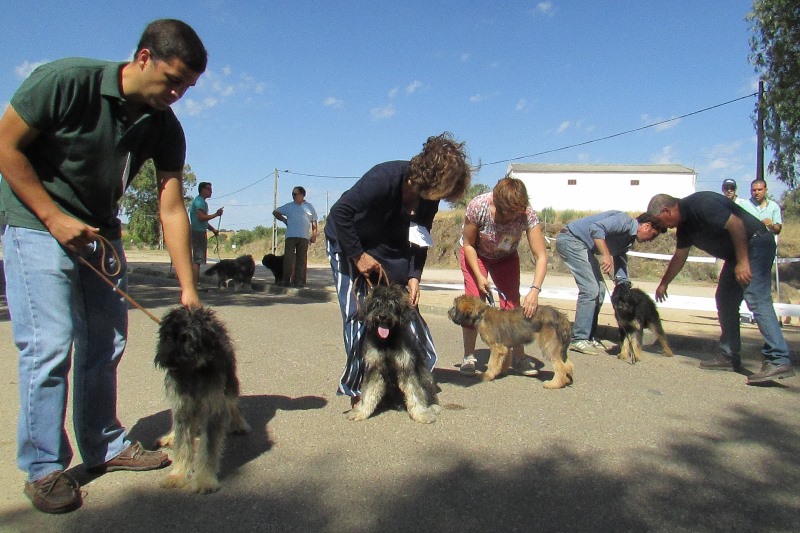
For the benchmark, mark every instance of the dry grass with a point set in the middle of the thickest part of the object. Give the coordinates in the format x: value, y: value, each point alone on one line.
x: 447, y: 231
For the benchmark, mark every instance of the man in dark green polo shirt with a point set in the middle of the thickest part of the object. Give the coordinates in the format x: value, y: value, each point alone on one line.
x: 77, y: 131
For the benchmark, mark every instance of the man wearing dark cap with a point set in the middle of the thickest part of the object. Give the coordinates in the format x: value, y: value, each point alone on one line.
x: 729, y: 190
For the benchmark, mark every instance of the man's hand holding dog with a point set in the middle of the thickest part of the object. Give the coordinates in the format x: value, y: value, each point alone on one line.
x: 661, y: 292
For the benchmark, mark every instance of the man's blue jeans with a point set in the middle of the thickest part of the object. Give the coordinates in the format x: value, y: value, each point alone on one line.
x: 758, y: 297
x: 62, y: 314
x: 591, y: 289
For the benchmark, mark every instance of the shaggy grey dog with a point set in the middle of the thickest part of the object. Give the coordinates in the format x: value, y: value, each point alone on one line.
x: 203, y: 391
x: 394, y: 357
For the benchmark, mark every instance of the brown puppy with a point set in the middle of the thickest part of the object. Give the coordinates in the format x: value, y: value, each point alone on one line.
x: 503, y: 329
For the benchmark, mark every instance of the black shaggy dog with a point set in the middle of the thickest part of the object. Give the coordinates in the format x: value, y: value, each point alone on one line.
x: 203, y: 393
x: 275, y: 264
x: 240, y: 270
x: 394, y: 357
x: 635, y: 311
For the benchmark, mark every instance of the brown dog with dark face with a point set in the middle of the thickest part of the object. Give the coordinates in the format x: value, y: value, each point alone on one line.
x: 502, y: 329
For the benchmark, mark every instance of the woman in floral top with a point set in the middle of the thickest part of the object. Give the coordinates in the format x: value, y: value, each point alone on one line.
x: 493, y: 226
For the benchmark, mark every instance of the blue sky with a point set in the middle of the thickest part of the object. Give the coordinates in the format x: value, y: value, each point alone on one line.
x: 330, y: 88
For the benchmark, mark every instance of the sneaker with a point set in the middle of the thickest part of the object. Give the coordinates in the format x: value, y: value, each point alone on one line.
x: 597, y: 343
x: 583, y: 346
x: 721, y: 362
x: 57, y: 492
x: 526, y: 367
x: 134, y: 458
x: 770, y: 372
x: 468, y: 366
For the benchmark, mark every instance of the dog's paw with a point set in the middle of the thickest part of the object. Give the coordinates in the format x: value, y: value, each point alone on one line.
x: 173, y: 481
x: 558, y: 382
x: 357, y: 415
x: 436, y: 408
x: 241, y: 427
x: 424, y: 416
x: 167, y: 440
x: 204, y: 485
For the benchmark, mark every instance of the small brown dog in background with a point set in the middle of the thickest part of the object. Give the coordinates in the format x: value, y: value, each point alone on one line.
x: 502, y: 329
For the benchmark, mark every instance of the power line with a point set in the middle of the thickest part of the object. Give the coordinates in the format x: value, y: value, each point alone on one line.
x: 320, y: 176
x: 560, y: 149
x: 243, y: 188
x: 623, y: 132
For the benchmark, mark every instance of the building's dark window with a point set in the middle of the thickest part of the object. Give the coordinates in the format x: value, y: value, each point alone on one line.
x: 572, y: 182
x: 634, y: 182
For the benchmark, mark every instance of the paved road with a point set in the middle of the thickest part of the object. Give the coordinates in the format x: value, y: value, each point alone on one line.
x: 660, y: 445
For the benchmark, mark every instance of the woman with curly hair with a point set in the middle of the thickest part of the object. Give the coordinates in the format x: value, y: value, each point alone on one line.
x: 384, y: 222
x: 493, y: 227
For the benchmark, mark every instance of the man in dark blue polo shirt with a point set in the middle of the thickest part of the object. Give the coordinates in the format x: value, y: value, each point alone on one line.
x: 723, y: 229
x: 76, y: 133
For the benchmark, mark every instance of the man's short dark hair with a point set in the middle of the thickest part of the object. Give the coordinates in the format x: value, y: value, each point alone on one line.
x: 646, y: 217
x: 300, y: 189
x: 170, y: 38
x: 203, y: 185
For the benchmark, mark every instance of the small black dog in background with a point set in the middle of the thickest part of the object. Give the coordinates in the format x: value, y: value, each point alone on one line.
x: 240, y: 270
x: 275, y: 264
x: 203, y: 392
x: 634, y: 311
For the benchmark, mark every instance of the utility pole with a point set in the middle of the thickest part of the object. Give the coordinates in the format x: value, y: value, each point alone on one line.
x: 275, y: 220
x: 760, y: 132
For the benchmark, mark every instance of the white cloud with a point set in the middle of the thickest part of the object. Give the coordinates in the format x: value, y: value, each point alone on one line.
x: 726, y: 157
x: 413, y: 87
x: 668, y: 155
x: 543, y: 8
x: 393, y: 92
x: 648, y: 120
x: 192, y: 107
x: 522, y: 105
x: 333, y: 102
x: 380, y: 113
x: 564, y: 126
x: 476, y: 98
x: 465, y: 57
x: 24, y: 70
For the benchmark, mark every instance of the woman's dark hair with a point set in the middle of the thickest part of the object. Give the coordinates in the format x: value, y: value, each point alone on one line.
x: 441, y: 170
x: 170, y: 38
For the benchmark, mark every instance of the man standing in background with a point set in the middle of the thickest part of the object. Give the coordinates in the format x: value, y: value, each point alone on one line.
x: 199, y: 218
x: 301, y: 228
x: 763, y: 208
x: 729, y: 190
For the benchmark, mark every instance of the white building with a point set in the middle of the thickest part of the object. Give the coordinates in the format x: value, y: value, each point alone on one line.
x: 601, y: 187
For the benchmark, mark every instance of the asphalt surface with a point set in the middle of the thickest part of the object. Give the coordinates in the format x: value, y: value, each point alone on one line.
x: 656, y: 446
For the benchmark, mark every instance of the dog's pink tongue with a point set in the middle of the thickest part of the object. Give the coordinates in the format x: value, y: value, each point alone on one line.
x: 383, y: 332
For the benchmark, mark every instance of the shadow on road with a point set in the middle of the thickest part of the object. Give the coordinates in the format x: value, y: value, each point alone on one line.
x: 689, y: 483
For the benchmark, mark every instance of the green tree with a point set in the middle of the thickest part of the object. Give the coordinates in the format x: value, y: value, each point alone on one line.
x: 473, y: 191
x: 775, y: 46
x: 140, y: 203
